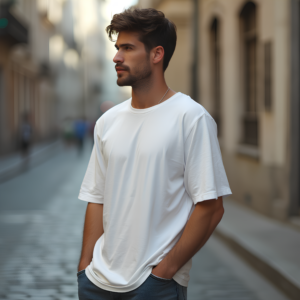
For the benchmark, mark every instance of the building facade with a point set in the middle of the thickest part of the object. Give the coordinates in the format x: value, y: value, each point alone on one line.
x: 248, y: 79
x: 50, y: 66
x: 25, y: 73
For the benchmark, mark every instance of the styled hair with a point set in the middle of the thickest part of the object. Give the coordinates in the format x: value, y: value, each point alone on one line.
x: 153, y: 27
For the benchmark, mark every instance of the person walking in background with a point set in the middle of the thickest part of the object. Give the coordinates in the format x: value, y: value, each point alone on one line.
x: 25, y: 133
x: 155, y: 180
x: 80, y: 128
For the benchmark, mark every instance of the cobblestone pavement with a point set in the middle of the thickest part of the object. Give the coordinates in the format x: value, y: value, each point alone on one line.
x: 43, y: 264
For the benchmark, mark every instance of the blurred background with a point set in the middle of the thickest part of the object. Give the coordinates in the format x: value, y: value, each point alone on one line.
x: 239, y: 59
x: 56, y: 67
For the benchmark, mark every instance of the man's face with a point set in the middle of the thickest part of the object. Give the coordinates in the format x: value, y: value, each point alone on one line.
x: 132, y: 60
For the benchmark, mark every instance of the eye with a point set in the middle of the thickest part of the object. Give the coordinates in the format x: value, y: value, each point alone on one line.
x: 127, y: 48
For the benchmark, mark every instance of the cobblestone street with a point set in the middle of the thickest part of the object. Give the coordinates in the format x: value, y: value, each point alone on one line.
x: 44, y: 264
x: 40, y: 245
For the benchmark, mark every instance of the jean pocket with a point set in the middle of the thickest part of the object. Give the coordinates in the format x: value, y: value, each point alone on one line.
x: 159, y: 278
x: 80, y: 272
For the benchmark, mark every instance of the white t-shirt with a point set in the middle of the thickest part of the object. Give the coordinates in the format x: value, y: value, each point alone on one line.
x: 149, y: 167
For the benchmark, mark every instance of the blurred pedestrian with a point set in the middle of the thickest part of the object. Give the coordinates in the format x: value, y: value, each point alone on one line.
x: 155, y: 180
x: 68, y: 131
x: 26, y: 134
x: 80, y: 128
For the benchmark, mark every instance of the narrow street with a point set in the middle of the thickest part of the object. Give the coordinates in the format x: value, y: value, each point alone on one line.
x: 41, y: 223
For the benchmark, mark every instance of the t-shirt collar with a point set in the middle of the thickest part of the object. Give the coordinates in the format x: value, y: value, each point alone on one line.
x: 145, y: 110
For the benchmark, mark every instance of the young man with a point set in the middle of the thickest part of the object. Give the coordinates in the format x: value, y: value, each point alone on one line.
x: 155, y: 180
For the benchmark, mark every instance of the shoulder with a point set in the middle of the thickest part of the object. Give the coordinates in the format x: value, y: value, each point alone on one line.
x: 110, y: 115
x: 190, y: 107
x: 192, y: 112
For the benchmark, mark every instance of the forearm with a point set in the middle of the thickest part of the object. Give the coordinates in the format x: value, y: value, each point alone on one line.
x: 198, y: 229
x: 93, y: 229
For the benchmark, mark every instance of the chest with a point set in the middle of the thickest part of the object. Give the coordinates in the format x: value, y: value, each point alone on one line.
x: 144, y: 138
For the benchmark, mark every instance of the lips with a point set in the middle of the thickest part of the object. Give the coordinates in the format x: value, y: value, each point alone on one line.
x: 120, y: 71
x: 120, y: 68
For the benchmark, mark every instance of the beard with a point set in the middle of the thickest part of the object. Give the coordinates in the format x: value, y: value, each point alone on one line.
x: 136, y: 76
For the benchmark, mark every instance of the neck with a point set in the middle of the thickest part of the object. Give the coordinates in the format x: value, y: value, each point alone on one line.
x: 150, y: 92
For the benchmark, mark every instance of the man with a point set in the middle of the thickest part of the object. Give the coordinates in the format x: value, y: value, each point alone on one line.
x: 155, y: 180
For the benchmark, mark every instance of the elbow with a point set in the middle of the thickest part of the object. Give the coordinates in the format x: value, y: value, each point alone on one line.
x: 213, y: 209
x: 219, y: 212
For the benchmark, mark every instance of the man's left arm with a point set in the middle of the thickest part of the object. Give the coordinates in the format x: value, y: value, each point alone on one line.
x: 203, y: 221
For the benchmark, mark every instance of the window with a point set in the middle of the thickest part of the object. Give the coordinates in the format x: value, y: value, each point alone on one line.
x: 249, y: 53
x: 215, y: 71
x: 268, y: 76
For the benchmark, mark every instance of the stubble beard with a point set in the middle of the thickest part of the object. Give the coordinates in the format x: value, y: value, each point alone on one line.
x: 135, y: 78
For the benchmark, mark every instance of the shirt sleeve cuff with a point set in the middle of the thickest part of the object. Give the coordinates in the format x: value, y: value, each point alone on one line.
x: 90, y: 198
x: 212, y: 195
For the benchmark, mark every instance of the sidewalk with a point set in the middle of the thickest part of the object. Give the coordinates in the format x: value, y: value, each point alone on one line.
x: 14, y: 164
x: 270, y: 246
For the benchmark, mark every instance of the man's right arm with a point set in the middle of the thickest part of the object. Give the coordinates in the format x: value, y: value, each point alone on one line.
x: 93, y: 229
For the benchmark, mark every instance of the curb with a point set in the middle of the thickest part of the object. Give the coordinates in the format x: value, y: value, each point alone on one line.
x: 32, y: 160
x: 268, y: 271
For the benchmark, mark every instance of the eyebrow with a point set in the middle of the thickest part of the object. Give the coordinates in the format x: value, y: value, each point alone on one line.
x: 124, y: 45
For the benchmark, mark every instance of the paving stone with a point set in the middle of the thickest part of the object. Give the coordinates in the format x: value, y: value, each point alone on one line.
x: 16, y: 296
x: 68, y: 289
x: 41, y: 298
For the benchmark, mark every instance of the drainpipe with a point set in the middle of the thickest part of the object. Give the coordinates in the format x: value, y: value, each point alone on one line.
x: 294, y: 207
x: 195, y: 53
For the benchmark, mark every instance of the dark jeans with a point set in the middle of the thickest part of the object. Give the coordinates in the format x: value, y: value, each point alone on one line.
x: 153, y: 288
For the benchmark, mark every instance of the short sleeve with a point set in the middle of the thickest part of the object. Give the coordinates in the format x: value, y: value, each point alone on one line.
x: 92, y: 187
x: 204, y: 174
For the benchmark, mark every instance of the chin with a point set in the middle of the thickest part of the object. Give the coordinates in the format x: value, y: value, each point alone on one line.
x: 124, y: 81
x: 121, y: 83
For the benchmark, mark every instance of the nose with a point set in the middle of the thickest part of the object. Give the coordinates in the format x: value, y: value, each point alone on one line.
x: 118, y: 58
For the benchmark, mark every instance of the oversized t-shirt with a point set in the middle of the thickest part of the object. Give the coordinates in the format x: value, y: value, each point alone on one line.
x: 149, y: 167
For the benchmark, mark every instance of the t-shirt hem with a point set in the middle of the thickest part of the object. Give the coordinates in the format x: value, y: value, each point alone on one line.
x: 180, y: 280
x: 89, y: 198
x: 123, y: 289
x: 212, y: 195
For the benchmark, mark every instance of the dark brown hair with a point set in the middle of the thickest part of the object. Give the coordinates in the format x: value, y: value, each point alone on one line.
x: 153, y: 27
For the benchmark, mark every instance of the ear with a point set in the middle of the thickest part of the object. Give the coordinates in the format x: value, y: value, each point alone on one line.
x: 158, y: 54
